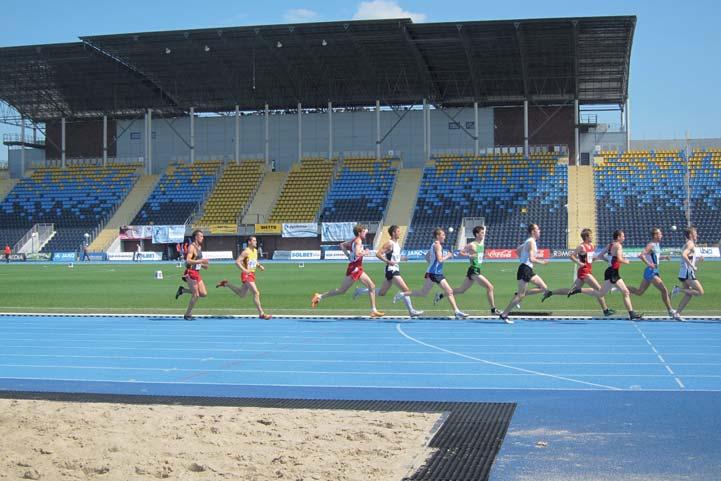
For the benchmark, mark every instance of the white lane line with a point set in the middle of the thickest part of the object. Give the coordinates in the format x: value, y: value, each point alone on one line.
x: 492, y: 363
x: 660, y: 358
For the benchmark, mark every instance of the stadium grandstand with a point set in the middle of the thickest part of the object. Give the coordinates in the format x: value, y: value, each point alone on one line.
x: 378, y: 121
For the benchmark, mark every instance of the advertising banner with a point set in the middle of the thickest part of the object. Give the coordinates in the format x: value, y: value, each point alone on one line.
x: 17, y: 257
x: 38, y: 257
x: 121, y: 256
x: 268, y: 229
x: 218, y: 255
x: 168, y: 234
x: 63, y: 256
x: 309, y: 229
x: 335, y: 255
x: 304, y: 255
x: 130, y: 232
x: 336, y: 231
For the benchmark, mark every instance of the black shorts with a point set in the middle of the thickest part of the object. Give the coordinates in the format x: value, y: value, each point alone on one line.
x: 391, y: 274
x: 473, y: 271
x: 612, y: 275
x: 437, y: 278
x: 524, y: 273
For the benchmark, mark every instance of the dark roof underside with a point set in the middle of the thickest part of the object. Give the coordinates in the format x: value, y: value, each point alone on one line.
x: 349, y: 63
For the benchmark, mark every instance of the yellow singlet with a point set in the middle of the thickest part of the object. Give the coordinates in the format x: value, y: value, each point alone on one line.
x: 251, y: 260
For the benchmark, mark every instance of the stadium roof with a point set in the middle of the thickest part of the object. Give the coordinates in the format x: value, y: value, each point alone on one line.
x: 353, y: 63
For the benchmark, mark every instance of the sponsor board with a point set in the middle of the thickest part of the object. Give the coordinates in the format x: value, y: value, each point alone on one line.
x: 63, y: 256
x: 121, y: 256
x: 217, y: 255
x: 307, y: 229
x: 268, y: 228
x: 336, y: 231
x: 17, y: 257
x: 335, y: 255
x: 304, y: 255
x: 38, y: 257
x: 168, y: 234
x: 512, y: 254
x: 96, y: 256
x: 281, y: 255
x: 130, y: 232
x: 708, y: 251
x: 561, y: 253
x: 500, y: 254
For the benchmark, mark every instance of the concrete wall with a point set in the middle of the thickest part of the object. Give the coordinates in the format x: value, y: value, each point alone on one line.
x: 31, y: 156
x: 353, y: 131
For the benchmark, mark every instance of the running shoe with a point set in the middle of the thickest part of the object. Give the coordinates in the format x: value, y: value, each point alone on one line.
x: 461, y: 315
x: 375, y: 314
x: 265, y: 316
x: 437, y: 298
x: 188, y: 318
x: 676, y: 291
x: 179, y: 292
x: 315, y: 300
x: 634, y: 316
x: 608, y: 312
x: 495, y: 311
x: 357, y: 292
x: 546, y: 295
x: 222, y: 283
x: 398, y: 297
x: 574, y: 291
x: 505, y: 319
x: 415, y: 313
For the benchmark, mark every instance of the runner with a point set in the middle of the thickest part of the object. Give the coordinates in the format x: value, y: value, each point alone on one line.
x: 612, y: 276
x: 651, y: 256
x: 354, y: 251
x: 390, y: 254
x: 527, y: 253
x: 193, y: 263
x: 474, y: 251
x: 247, y: 262
x: 434, y: 274
x: 583, y: 256
x: 687, y: 274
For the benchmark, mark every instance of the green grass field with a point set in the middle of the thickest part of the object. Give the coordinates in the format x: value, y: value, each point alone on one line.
x: 286, y: 289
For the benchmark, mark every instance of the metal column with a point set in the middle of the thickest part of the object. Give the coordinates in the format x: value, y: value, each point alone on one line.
x: 525, y: 129
x: 330, y: 130
x: 425, y: 132
x: 22, y: 146
x: 267, y: 138
x: 378, y: 129
x: 145, y: 147
x: 300, y: 132
x: 105, y: 140
x: 428, y: 126
x: 627, y: 113
x: 62, y: 142
x: 476, y: 147
x: 237, y: 134
x: 576, y: 139
x: 150, y: 141
x: 192, y: 135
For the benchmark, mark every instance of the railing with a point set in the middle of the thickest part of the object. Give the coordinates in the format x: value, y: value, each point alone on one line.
x: 36, y: 237
x: 503, y: 149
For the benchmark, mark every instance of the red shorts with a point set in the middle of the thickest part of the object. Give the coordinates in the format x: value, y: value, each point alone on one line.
x: 192, y: 274
x: 249, y: 277
x: 355, y: 271
x: 583, y: 272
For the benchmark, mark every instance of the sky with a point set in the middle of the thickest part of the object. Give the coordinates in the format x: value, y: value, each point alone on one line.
x: 675, y: 74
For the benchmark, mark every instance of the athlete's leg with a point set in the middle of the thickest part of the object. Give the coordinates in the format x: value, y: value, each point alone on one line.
x: 256, y: 296
x: 490, y: 291
x: 448, y: 290
x: 692, y: 288
x: 518, y: 296
x: 638, y: 291
x: 403, y: 287
x: 366, y: 281
x: 665, y: 297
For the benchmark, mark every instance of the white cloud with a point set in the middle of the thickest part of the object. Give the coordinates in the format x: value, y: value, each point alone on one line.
x: 299, y: 15
x: 377, y: 9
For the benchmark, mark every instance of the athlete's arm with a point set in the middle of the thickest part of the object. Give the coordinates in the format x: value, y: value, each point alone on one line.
x: 643, y: 255
x: 239, y: 261
x: 344, y: 248
x: 619, y: 256
x: 574, y: 255
x: 467, y: 251
x: 439, y: 252
x: 684, y: 255
x: 532, y: 255
x: 380, y: 253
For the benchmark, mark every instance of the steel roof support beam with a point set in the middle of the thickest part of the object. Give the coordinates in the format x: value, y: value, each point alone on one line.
x: 431, y: 88
x: 465, y: 41
x: 273, y: 50
x: 522, y: 52
x: 574, y: 53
